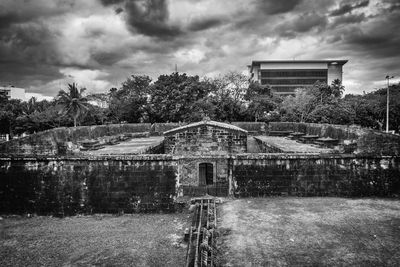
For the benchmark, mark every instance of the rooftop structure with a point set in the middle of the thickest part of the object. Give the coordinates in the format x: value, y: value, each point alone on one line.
x: 100, y: 100
x: 284, y: 76
x: 13, y: 92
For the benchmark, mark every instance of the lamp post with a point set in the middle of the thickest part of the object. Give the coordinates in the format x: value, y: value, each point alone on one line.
x: 387, y: 102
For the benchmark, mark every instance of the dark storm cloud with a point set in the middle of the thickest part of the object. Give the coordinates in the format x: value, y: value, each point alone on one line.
x: 150, y: 18
x: 348, y: 8
x: 394, y: 7
x: 301, y: 24
x: 42, y: 42
x: 29, y: 48
x: 204, y: 24
x: 119, y: 10
x: 7, y: 19
x: 28, y: 43
x: 375, y: 45
x: 111, y: 2
x: 349, y: 19
x: 25, y: 11
x: 108, y: 58
x: 271, y: 7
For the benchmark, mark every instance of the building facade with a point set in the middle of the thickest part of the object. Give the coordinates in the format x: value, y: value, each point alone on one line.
x: 285, y: 76
x: 205, y: 138
x: 100, y: 100
x: 13, y: 92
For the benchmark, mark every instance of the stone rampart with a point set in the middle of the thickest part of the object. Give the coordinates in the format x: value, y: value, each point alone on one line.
x: 366, y: 141
x: 62, y: 185
x: 56, y: 141
x: 254, y: 128
x: 66, y: 186
x: 316, y: 175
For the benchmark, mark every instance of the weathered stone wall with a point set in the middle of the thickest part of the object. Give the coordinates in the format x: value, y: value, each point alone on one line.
x: 55, y: 141
x: 266, y: 148
x: 254, y: 128
x: 378, y: 143
x: 69, y: 186
x: 160, y: 128
x: 316, y: 175
x: 205, y: 139
x: 366, y: 141
x: 112, y: 184
x: 188, y: 176
x: 341, y: 132
x: 58, y: 141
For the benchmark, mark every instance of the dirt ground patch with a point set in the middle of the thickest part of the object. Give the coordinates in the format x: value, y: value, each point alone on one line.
x: 310, y: 232
x: 104, y: 240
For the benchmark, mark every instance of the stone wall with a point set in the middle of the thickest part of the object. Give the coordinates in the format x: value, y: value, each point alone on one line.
x: 366, y: 141
x: 316, y: 175
x: 254, y: 128
x: 70, y: 186
x: 341, y: 132
x: 56, y: 141
x: 160, y: 128
x: 267, y: 148
x: 205, y: 139
x: 67, y: 186
x: 188, y: 176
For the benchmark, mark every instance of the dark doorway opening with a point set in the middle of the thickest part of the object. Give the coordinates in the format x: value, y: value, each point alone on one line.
x: 206, y: 174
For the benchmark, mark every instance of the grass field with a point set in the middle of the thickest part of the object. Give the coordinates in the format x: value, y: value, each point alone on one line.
x: 309, y: 232
x: 101, y: 240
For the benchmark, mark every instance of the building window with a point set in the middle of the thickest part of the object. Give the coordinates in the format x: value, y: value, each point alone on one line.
x: 291, y: 81
x: 206, y: 173
x: 294, y: 73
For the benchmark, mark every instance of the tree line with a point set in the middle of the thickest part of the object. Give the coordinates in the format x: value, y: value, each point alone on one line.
x: 179, y: 97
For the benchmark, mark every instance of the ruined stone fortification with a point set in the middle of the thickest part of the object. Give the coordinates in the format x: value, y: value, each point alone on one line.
x: 206, y: 137
x: 366, y: 141
x: 151, y: 182
x: 206, y: 157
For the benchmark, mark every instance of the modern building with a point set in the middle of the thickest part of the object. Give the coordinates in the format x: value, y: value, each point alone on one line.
x: 285, y: 76
x: 13, y: 92
x: 100, y: 100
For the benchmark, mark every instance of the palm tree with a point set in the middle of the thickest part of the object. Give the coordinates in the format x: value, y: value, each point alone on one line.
x: 73, y: 102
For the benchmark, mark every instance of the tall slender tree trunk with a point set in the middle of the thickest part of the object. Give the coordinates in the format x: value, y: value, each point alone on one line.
x: 75, y: 122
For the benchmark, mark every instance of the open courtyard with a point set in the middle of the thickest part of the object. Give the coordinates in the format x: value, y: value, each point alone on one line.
x: 309, y: 232
x: 277, y: 231
x: 101, y: 240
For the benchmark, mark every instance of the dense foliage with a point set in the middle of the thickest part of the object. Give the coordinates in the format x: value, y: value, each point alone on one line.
x: 179, y: 97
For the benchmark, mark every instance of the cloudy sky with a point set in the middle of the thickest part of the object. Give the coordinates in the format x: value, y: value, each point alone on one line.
x: 99, y: 43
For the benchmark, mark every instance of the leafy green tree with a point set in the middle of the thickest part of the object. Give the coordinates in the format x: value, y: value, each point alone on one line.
x: 72, y: 103
x: 336, y: 88
x: 44, y: 120
x: 298, y: 107
x: 10, y: 109
x: 377, y: 102
x: 261, y: 101
x: 129, y: 103
x: 335, y: 112
x: 363, y: 111
x: 320, y: 103
x: 228, y: 95
x: 95, y: 116
x: 174, y: 97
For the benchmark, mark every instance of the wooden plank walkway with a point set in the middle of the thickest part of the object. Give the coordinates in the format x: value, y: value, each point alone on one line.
x: 200, y: 251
